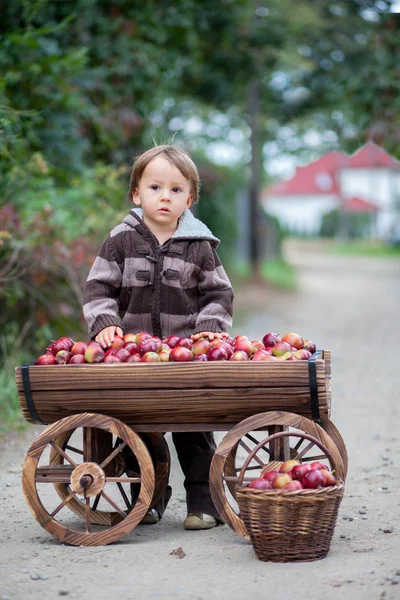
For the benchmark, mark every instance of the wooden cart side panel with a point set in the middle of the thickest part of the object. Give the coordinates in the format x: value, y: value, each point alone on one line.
x: 169, y: 375
x: 328, y: 380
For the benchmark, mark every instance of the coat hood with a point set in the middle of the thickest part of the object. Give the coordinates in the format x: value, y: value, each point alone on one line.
x: 189, y: 228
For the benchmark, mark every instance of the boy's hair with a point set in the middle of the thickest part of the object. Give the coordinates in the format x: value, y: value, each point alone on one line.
x: 177, y: 156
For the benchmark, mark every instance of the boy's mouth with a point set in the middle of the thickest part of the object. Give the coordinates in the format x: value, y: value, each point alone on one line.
x: 164, y: 209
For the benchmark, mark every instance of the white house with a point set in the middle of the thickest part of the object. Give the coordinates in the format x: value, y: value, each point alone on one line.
x: 367, y: 181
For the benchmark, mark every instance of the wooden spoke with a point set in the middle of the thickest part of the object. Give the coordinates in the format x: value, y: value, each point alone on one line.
x: 234, y: 479
x: 115, y: 506
x: 125, y: 497
x: 255, y: 441
x: 87, y: 513
x: 96, y: 501
x: 123, y: 480
x: 297, y: 446
x: 87, y: 444
x: 253, y: 468
x: 54, y: 474
x: 72, y: 449
x: 248, y: 450
x: 63, y: 503
x: 313, y: 458
x: 62, y: 453
x: 113, y: 454
x: 300, y: 455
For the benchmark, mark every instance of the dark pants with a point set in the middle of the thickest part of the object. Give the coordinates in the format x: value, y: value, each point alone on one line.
x: 195, y: 451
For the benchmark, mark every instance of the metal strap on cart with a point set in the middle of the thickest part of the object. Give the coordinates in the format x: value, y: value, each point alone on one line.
x: 26, y: 382
x: 312, y: 374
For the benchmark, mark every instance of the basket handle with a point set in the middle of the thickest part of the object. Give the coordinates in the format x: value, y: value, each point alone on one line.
x: 281, y: 434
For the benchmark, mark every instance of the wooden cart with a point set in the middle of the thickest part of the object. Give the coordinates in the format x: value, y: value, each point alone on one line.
x: 105, y: 434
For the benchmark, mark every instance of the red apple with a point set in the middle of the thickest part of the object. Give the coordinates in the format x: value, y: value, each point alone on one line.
x: 165, y: 348
x: 171, y: 340
x: 142, y: 335
x: 310, y: 346
x: 61, y: 344
x: 280, y: 480
x: 239, y: 338
x: 244, y: 345
x: 270, y: 475
x: 46, y: 359
x: 270, y: 339
x: 132, y: 347
x: 78, y: 348
x: 239, y: 355
x: 94, y: 354
x: 227, y: 347
x: 134, y: 358
x: 185, y: 342
x: 180, y: 354
x: 200, y: 358
x: 294, y: 339
x: 313, y: 479
x: 260, y: 484
x: 329, y: 478
x: 288, y: 355
x: 293, y: 486
x: 111, y: 358
x: 151, y: 357
x: 117, y: 342
x: 288, y: 465
x: 69, y: 341
x: 217, y: 354
x: 299, y: 471
x: 258, y: 345
x: 164, y: 356
x: 302, y: 354
x: 259, y: 355
x: 148, y: 345
x: 317, y: 465
x: 122, y: 354
x: 77, y: 359
x: 201, y: 347
x: 129, y: 337
x: 63, y: 357
x: 268, y: 357
x: 280, y: 348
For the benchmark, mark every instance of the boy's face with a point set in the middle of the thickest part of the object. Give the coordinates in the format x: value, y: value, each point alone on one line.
x: 163, y: 194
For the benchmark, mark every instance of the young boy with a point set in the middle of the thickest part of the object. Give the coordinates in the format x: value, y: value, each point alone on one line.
x: 158, y: 271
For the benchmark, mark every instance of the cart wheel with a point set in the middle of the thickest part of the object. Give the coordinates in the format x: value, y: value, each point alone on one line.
x: 237, y: 444
x: 88, y: 478
x: 102, y: 444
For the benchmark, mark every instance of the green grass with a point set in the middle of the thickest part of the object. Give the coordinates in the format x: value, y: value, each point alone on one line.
x: 367, y: 248
x: 278, y: 273
x: 10, y: 412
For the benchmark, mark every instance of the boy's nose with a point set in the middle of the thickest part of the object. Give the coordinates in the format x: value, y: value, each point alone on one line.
x: 165, y: 195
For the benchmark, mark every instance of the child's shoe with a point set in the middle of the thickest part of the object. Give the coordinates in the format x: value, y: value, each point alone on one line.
x: 197, y: 521
x: 150, y: 518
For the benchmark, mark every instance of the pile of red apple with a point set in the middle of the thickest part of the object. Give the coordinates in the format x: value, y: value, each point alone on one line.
x: 294, y: 475
x: 144, y: 347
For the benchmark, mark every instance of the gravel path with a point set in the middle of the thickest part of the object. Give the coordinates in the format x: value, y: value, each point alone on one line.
x: 349, y: 305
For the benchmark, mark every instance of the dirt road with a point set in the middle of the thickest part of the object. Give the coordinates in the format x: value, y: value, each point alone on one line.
x: 347, y: 305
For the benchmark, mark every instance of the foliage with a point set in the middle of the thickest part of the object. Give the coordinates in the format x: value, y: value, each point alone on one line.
x: 356, y: 224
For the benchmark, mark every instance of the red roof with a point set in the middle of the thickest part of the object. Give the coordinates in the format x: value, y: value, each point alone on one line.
x: 358, y: 205
x: 372, y: 155
x: 320, y: 177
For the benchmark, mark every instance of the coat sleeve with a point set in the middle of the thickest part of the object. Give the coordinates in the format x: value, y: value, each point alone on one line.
x: 215, y: 295
x: 102, y: 290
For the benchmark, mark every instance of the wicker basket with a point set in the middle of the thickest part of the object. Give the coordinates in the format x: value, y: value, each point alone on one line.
x: 293, y: 525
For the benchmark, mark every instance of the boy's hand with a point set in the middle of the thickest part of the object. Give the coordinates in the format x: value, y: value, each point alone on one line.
x: 211, y: 335
x: 106, y: 336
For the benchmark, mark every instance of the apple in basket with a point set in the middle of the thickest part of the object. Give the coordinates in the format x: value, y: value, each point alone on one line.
x: 288, y: 465
x: 270, y: 475
x: 281, y: 480
x: 260, y: 484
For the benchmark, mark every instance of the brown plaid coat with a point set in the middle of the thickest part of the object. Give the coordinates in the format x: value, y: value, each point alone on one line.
x: 179, y: 288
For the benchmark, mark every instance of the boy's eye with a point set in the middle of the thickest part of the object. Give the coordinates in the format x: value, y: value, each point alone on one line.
x: 154, y: 187
x: 176, y: 189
